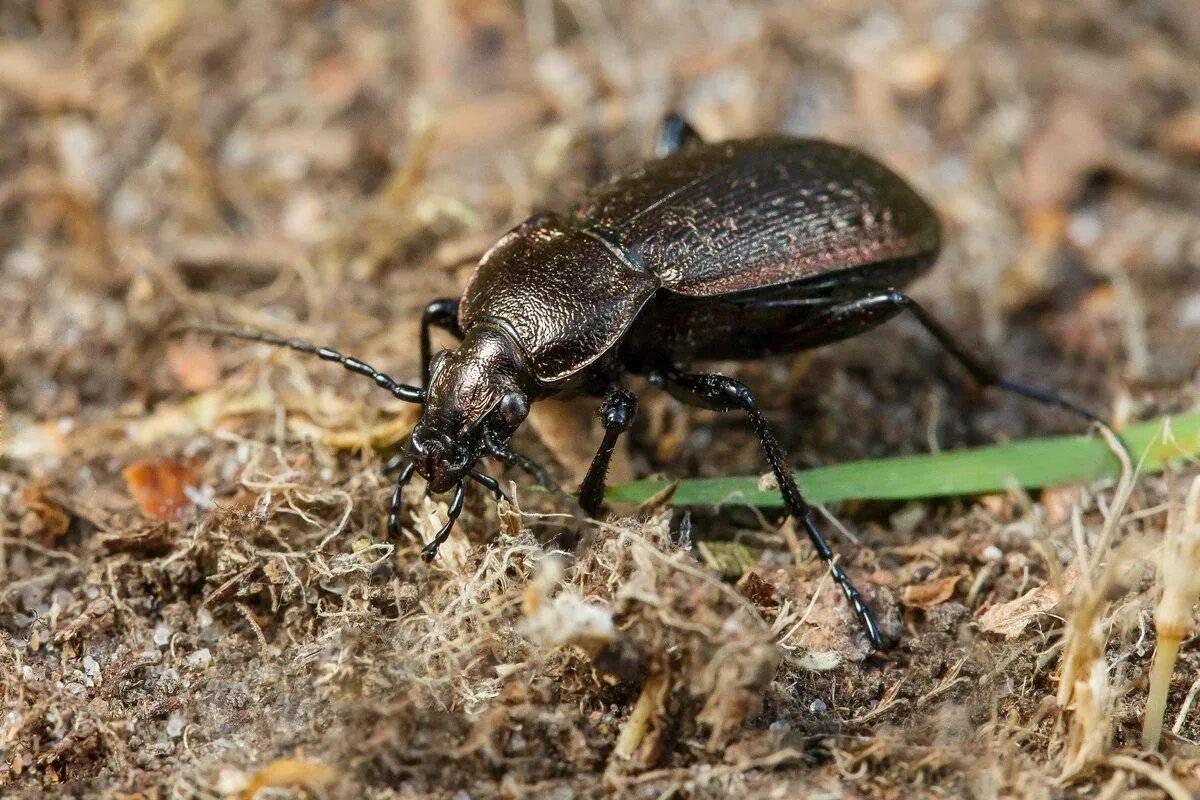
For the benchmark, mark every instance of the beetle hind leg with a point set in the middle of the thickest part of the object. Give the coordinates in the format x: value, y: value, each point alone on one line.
x: 855, y: 316
x: 721, y: 393
x: 674, y: 135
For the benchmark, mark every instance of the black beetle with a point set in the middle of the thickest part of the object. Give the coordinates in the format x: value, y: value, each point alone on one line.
x: 735, y: 250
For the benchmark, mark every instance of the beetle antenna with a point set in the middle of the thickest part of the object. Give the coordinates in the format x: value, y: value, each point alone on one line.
x: 401, y: 391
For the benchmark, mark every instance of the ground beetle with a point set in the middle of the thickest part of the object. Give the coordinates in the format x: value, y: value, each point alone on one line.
x: 735, y: 250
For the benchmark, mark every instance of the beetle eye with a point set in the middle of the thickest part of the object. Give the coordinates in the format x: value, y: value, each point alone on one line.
x: 513, y: 409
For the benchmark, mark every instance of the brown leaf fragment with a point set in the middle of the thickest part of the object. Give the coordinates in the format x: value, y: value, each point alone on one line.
x: 1010, y: 619
x: 288, y: 773
x: 1180, y: 135
x: 159, y: 487
x: 195, y: 366
x: 930, y: 593
x: 43, y: 518
x: 151, y: 539
x: 1070, y: 144
x: 44, y: 80
x: 735, y: 683
x: 729, y: 559
x: 757, y: 589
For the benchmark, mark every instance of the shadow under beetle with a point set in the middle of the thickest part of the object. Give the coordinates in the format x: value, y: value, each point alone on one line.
x: 733, y: 250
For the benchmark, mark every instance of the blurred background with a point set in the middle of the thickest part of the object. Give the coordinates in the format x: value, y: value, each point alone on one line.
x: 334, y: 165
x: 323, y: 169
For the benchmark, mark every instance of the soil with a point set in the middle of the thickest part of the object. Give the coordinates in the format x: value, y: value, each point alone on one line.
x: 198, y: 593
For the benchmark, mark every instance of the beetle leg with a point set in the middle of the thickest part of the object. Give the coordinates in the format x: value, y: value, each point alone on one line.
x: 394, y: 506
x: 854, y: 316
x: 429, y: 552
x: 617, y: 413
x: 399, y: 390
x: 720, y: 393
x: 442, y: 313
x: 983, y: 374
x: 675, y: 134
x: 521, y: 462
x: 489, y: 483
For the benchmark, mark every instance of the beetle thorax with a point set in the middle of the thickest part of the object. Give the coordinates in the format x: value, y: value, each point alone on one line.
x: 475, y: 396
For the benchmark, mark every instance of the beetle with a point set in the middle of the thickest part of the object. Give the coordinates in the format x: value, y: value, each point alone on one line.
x: 710, y: 251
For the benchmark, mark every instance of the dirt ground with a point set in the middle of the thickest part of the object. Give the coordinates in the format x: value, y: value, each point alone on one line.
x: 198, y: 594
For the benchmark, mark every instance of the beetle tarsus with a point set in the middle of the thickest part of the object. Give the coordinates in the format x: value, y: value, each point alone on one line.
x: 721, y: 393
x: 675, y: 134
x: 401, y: 391
x: 430, y: 551
x: 441, y: 313
x: 617, y: 412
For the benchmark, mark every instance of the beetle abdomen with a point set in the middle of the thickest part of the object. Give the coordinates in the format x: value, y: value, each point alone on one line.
x: 746, y: 215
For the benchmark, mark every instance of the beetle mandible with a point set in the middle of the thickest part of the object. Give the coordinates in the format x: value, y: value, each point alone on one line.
x: 732, y: 250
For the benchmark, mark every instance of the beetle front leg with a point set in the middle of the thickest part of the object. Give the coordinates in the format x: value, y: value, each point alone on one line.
x: 429, y: 551
x: 522, y: 462
x: 402, y: 480
x: 617, y: 412
x: 441, y: 313
x: 721, y: 393
x: 675, y: 134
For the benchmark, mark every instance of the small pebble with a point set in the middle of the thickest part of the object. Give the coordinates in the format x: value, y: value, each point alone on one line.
x: 174, y: 725
x: 992, y: 553
x: 818, y: 706
x: 91, y: 666
x: 162, y: 635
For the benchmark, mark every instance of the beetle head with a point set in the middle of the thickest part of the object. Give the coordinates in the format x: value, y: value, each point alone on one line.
x: 474, y: 396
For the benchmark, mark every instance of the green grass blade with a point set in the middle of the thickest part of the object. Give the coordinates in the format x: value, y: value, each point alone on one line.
x: 1032, y: 464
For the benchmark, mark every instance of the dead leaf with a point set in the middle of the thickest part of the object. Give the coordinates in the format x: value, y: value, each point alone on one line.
x: 917, y: 72
x: 757, y: 589
x: 195, y: 366
x: 288, y: 773
x: 1070, y: 145
x: 729, y: 559
x: 1010, y: 619
x: 43, y: 79
x: 1180, y: 135
x: 929, y: 594
x: 1059, y: 502
x: 159, y: 487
